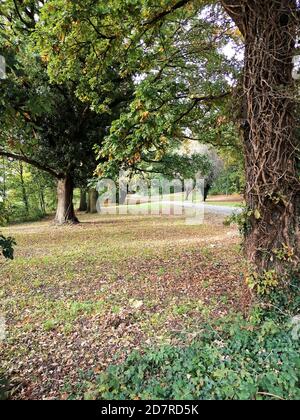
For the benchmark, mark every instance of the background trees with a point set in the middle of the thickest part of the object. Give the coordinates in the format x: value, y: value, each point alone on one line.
x: 6, y: 243
x: 50, y: 129
x: 44, y: 124
x: 26, y: 192
x: 170, y: 64
x: 183, y: 86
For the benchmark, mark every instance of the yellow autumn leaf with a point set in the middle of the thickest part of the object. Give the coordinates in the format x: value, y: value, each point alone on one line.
x: 257, y: 214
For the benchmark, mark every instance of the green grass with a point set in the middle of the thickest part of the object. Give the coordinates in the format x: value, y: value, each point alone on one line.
x: 225, y: 203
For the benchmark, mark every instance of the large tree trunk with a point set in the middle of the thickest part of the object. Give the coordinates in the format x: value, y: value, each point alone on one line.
x: 271, y: 144
x: 92, y: 202
x: 83, y: 206
x: 65, y: 209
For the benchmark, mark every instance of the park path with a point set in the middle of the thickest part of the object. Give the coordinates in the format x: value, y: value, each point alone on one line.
x: 208, y: 208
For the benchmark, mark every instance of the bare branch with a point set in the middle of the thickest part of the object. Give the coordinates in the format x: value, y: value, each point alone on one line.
x: 201, y: 99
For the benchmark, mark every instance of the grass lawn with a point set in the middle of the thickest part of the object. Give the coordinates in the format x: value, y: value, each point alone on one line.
x: 76, y: 298
x: 225, y: 203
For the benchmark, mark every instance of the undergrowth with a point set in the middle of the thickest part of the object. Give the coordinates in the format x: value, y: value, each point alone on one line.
x: 238, y: 359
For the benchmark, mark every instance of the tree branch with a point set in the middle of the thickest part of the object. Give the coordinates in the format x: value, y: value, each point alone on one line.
x: 236, y: 10
x: 100, y: 34
x: 210, y: 142
x: 32, y: 162
x: 28, y: 25
x: 166, y: 12
x: 198, y: 100
x: 211, y: 97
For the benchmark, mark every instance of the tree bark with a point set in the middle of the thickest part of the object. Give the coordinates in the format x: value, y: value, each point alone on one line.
x: 270, y: 140
x: 42, y: 200
x: 23, y: 187
x: 65, y: 209
x: 92, y: 204
x: 207, y: 188
x: 83, y: 206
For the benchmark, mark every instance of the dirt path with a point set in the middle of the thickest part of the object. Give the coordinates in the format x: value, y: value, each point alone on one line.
x: 207, y: 208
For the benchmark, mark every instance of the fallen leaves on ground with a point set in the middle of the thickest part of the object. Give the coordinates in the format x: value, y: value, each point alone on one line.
x: 78, y: 298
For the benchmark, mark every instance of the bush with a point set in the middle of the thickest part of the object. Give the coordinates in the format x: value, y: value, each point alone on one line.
x: 19, y: 215
x: 6, y: 246
x: 238, y: 361
x: 3, y: 388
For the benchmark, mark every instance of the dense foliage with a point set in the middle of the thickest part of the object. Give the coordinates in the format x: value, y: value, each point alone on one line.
x: 230, y: 181
x: 170, y: 103
x: 44, y: 123
x: 27, y: 193
x: 235, y: 360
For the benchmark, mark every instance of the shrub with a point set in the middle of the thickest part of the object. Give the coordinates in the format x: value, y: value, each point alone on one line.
x: 3, y: 388
x: 6, y: 247
x: 240, y: 361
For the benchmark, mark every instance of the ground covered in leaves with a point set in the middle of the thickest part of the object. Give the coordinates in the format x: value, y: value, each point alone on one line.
x: 77, y: 298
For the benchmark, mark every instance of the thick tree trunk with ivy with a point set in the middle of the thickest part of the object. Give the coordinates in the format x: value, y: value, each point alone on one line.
x: 65, y: 209
x: 270, y: 139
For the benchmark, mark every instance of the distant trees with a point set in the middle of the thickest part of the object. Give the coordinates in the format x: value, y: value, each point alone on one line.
x: 230, y: 181
x: 44, y: 124
x: 83, y: 205
x: 26, y: 193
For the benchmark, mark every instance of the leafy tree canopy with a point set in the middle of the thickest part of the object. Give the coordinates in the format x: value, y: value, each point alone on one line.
x: 40, y: 118
x: 171, y: 102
